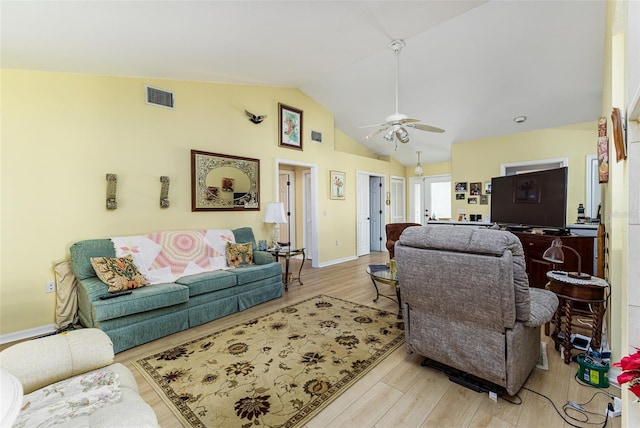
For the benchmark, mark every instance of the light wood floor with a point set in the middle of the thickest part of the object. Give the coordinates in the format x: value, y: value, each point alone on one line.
x: 399, y: 392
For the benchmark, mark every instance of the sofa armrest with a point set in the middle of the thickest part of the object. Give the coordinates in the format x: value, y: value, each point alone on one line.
x: 262, y: 257
x: 543, y: 305
x: 41, y: 362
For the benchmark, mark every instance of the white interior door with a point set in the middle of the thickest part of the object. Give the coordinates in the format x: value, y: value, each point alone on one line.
x: 398, y: 207
x: 362, y: 208
x: 307, y: 217
x: 376, y: 222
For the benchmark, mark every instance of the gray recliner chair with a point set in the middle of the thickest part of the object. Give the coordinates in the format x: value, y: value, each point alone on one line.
x: 467, y: 302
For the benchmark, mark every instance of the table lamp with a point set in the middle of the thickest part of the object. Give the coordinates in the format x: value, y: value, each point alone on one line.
x: 275, y: 214
x: 555, y: 254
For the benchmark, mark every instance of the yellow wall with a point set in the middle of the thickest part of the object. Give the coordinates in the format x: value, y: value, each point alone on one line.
x: 62, y: 133
x: 480, y: 160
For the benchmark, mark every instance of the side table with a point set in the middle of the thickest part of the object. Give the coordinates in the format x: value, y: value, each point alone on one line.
x: 586, y: 292
x: 286, y: 254
x: 383, y: 275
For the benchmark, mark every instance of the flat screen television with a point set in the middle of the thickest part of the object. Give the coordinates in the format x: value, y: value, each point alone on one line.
x: 533, y: 199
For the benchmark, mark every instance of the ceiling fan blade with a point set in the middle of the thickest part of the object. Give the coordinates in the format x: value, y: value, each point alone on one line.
x: 409, y: 120
x: 386, y: 125
x: 373, y: 134
x: 424, y: 127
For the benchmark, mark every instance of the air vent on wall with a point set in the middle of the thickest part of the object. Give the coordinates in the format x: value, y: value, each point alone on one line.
x: 159, y: 97
x: 316, y: 136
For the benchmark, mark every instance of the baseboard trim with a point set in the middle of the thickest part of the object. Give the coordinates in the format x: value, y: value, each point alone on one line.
x: 27, y: 334
x: 337, y: 261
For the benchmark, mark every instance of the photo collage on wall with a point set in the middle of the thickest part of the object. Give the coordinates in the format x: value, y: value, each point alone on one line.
x: 478, y: 194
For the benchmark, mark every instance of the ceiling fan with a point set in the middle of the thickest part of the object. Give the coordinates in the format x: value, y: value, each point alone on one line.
x: 396, y: 124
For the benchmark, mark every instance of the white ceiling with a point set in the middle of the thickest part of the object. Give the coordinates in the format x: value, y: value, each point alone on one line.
x: 469, y: 67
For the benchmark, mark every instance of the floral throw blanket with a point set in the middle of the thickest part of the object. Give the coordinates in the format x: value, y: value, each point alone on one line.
x: 63, y: 401
x: 167, y: 256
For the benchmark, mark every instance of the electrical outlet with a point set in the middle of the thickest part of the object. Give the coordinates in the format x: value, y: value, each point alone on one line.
x: 338, y: 242
x: 50, y: 287
x: 617, y: 408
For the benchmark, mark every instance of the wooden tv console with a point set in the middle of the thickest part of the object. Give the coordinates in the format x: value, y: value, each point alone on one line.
x: 534, y: 246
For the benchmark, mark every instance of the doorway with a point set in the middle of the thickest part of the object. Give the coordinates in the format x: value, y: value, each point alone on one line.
x: 370, y: 188
x: 430, y: 198
x: 304, y: 176
x: 287, y: 195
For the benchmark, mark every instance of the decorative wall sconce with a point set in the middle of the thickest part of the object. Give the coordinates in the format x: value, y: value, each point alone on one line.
x: 112, y: 184
x: 164, y: 192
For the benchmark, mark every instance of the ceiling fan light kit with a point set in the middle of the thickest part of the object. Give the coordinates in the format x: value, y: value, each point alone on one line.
x: 394, y: 125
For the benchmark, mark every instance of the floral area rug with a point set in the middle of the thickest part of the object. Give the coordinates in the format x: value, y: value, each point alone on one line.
x: 278, y: 370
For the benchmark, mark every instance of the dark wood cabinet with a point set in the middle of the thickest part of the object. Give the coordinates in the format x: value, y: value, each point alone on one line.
x: 534, y: 246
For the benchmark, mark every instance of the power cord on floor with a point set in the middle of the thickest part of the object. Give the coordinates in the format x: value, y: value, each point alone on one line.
x: 517, y: 403
x: 577, y: 407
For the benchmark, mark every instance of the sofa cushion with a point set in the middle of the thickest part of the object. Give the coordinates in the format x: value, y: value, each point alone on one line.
x: 239, y: 255
x: 253, y: 273
x: 208, y: 282
x: 68, y: 399
x: 68, y: 354
x: 119, y: 273
x: 141, y: 300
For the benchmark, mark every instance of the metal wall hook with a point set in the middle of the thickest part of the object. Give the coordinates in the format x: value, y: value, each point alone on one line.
x: 164, y: 192
x: 112, y: 185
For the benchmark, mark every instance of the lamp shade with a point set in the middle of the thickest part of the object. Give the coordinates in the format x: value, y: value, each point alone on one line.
x: 554, y: 254
x: 275, y: 213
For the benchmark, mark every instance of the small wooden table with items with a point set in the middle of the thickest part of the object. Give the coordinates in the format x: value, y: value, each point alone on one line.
x: 286, y: 254
x: 587, y: 295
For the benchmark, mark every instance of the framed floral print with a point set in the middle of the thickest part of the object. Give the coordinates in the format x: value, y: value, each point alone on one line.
x: 337, y: 184
x: 290, y: 127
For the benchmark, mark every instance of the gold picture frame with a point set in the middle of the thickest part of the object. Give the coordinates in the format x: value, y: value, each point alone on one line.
x: 224, y: 182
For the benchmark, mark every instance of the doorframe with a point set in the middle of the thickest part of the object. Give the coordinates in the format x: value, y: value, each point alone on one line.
x: 386, y: 207
x: 313, y: 210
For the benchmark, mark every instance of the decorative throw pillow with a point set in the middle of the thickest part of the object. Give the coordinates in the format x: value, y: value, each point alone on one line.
x: 119, y: 273
x: 239, y: 255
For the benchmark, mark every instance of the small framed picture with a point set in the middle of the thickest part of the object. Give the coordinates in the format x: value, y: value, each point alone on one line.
x: 337, y: 184
x: 484, y: 200
x: 487, y: 188
x: 290, y: 127
x: 461, y: 187
x: 472, y: 200
x: 475, y: 189
x: 460, y: 196
x: 227, y: 184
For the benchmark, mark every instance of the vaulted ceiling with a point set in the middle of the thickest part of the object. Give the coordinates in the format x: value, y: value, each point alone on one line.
x: 468, y: 67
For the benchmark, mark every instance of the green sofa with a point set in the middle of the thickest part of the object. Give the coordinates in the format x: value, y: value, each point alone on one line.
x: 159, y: 310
